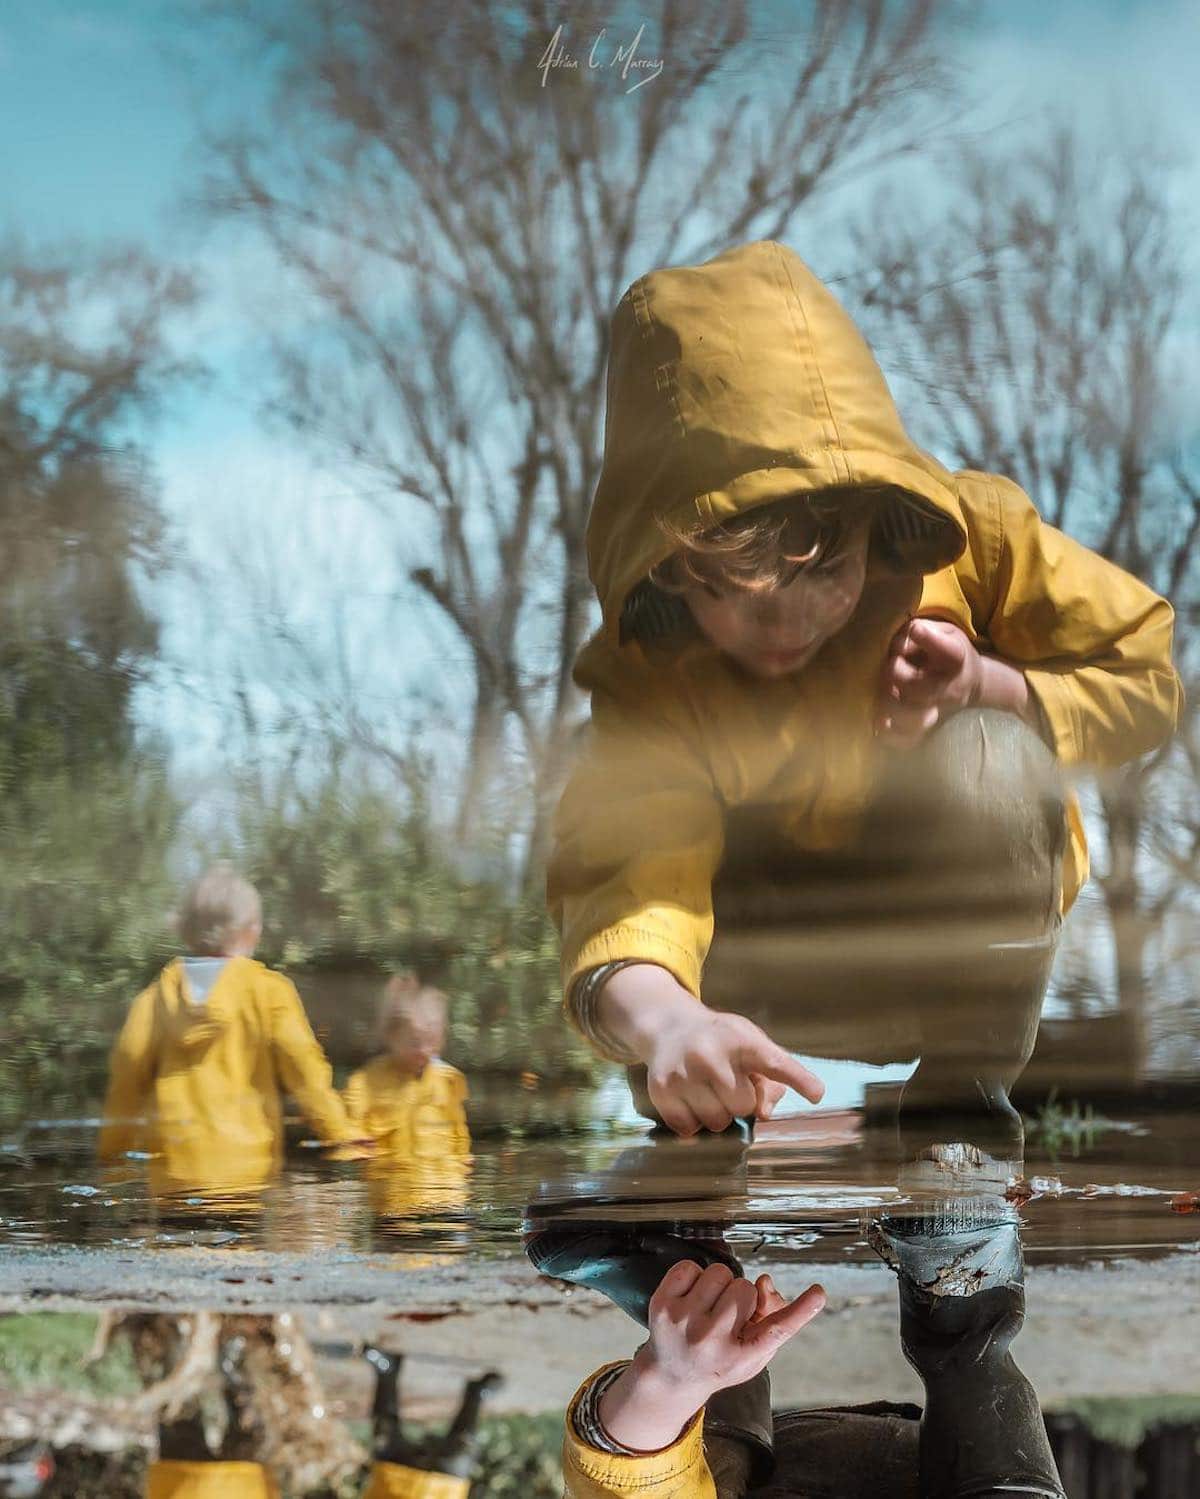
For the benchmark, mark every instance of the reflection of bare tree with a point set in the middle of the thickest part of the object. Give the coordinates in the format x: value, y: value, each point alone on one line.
x: 242, y: 1386
x: 1044, y: 319
x: 465, y: 231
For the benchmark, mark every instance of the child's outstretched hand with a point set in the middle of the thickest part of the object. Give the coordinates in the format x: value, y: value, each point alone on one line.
x: 709, y: 1329
x: 706, y: 1068
x: 932, y: 670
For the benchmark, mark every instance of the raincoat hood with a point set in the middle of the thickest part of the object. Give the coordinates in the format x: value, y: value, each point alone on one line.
x: 738, y: 382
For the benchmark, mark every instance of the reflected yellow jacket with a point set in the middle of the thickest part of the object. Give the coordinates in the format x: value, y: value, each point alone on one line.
x: 677, y: 1472
x: 394, y: 1481
x: 199, y: 1086
x: 174, y: 1480
x: 423, y: 1142
x: 732, y: 384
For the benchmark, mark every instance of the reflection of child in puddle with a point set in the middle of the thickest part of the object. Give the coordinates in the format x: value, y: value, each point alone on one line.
x: 689, y: 1417
x: 411, y: 1103
x: 197, y: 1072
x: 433, y: 1466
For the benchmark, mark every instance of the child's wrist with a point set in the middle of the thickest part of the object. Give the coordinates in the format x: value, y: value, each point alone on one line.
x: 644, y: 1409
x: 1002, y: 686
x: 639, y: 1003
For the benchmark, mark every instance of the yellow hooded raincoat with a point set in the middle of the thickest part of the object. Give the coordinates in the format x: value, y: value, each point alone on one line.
x: 198, y: 1086
x: 186, y: 1480
x: 394, y: 1481
x: 732, y: 384
x: 423, y: 1144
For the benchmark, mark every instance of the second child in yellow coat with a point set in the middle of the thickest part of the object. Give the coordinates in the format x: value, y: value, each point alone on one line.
x: 412, y: 1104
x: 198, y: 1072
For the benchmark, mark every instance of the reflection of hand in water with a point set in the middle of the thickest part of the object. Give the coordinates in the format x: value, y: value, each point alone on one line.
x: 709, y: 1330
x: 352, y: 1150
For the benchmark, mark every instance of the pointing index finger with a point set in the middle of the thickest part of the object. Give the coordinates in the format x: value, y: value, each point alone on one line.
x: 788, y: 1320
x: 773, y: 1062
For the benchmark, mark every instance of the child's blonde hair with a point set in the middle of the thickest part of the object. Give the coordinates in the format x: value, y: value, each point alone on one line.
x: 762, y: 549
x: 406, y: 998
x: 217, y: 909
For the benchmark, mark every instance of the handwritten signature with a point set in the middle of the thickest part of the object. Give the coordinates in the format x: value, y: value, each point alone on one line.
x: 624, y: 58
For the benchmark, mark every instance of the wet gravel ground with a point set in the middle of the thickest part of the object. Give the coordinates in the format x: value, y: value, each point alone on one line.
x: 1127, y: 1327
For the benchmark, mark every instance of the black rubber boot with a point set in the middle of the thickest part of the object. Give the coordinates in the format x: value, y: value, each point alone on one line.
x: 626, y: 1263
x: 458, y: 1451
x: 455, y: 1452
x: 962, y: 1301
x: 386, y: 1435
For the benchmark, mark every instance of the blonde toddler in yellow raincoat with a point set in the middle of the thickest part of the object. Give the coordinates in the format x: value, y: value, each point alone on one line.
x: 794, y: 595
x: 411, y: 1103
x: 198, y: 1072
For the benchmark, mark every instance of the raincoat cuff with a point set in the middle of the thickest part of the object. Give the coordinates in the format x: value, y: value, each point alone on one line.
x: 395, y: 1481
x: 641, y: 944
x: 589, y: 1471
x: 1055, y: 699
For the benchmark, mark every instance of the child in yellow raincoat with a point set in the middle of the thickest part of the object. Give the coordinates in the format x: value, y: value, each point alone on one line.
x: 412, y: 1104
x: 197, y: 1074
x: 833, y: 696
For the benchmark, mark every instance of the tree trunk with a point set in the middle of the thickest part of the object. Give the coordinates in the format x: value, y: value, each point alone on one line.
x: 1123, y: 814
x: 479, y: 801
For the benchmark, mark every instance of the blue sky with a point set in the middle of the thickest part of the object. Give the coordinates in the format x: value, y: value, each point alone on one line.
x: 99, y: 102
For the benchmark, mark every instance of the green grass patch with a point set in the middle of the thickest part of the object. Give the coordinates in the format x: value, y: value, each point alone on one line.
x: 1125, y: 1422
x: 50, y: 1348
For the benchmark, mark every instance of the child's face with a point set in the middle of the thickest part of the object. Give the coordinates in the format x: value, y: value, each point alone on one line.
x: 413, y: 1041
x: 775, y: 633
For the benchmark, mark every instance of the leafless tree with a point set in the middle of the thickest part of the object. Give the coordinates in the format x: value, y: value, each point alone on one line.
x: 83, y: 346
x: 465, y: 213
x: 1042, y: 321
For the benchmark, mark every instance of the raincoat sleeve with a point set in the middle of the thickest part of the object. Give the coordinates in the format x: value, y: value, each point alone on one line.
x: 459, y: 1144
x: 356, y: 1096
x: 1094, y: 641
x: 302, y: 1065
x: 638, y: 836
x: 130, y: 1080
x: 675, y: 1472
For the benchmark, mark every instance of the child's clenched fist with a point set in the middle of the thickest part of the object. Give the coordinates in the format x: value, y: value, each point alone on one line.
x: 933, y: 671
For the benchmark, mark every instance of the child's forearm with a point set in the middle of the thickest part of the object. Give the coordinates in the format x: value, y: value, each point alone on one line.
x: 645, y: 1411
x: 638, y: 1002
x: 1004, y: 686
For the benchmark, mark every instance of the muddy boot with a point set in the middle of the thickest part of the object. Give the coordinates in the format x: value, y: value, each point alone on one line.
x: 626, y: 1263
x: 458, y: 1451
x: 184, y: 1440
x: 962, y: 1301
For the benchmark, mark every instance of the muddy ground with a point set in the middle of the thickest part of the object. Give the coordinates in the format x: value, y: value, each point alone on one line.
x: 1130, y: 1327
